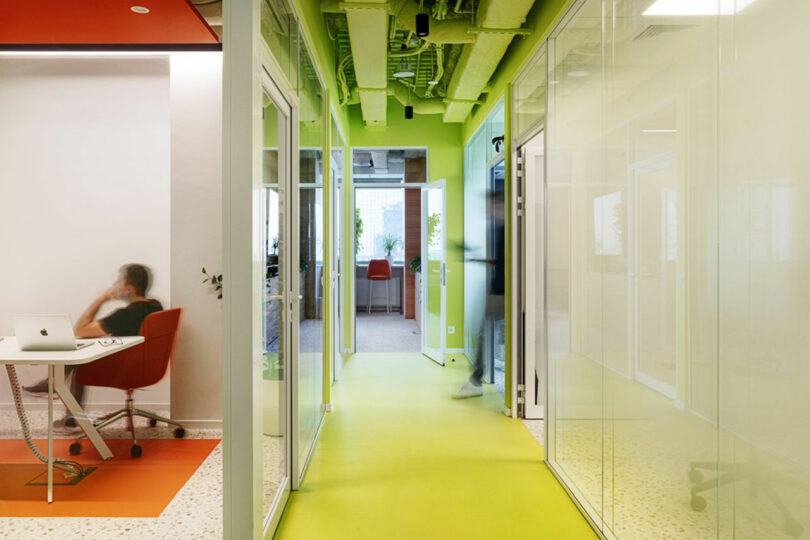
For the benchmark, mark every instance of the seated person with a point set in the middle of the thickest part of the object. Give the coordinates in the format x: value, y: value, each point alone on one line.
x: 132, y: 286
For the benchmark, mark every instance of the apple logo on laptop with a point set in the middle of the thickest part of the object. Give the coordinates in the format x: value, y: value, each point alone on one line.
x: 44, y: 332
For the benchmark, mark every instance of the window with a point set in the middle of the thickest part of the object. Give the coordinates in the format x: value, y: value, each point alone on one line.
x: 379, y: 220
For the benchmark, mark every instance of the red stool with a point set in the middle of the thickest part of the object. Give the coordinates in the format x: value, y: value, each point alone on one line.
x: 378, y: 270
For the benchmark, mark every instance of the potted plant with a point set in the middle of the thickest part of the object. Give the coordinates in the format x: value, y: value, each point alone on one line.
x: 358, y: 230
x: 390, y: 243
x: 415, y: 266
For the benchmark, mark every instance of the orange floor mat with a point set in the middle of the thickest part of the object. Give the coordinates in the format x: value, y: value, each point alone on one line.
x: 120, y: 487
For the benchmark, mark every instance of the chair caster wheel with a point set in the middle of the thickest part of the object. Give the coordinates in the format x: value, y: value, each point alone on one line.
x: 179, y: 433
x: 698, y: 503
x: 152, y: 422
x: 136, y: 451
x: 793, y: 527
x: 75, y: 449
x: 695, y: 476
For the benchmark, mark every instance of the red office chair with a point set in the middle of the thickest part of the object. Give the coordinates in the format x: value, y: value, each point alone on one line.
x: 378, y: 270
x: 137, y: 367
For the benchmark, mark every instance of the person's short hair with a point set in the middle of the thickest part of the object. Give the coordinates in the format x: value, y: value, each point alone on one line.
x: 139, y: 276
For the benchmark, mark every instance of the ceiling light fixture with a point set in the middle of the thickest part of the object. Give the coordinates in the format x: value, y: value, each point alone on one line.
x: 578, y: 74
x: 403, y: 70
x: 665, y: 130
x: 139, y: 10
x: 422, y: 24
x: 696, y: 8
x: 433, y: 83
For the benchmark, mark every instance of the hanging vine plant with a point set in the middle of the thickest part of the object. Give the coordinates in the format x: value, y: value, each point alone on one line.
x: 215, y: 282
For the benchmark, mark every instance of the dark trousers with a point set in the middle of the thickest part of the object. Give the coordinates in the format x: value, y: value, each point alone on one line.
x: 493, y: 311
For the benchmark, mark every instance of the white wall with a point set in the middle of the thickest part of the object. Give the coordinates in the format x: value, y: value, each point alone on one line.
x: 84, y: 187
x: 196, y: 233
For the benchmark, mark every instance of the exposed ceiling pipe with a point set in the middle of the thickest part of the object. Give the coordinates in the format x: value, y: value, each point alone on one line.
x: 441, y: 31
x: 498, y: 21
x: 420, y: 105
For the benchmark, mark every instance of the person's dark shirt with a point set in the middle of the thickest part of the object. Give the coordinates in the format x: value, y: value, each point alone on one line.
x: 127, y: 321
x: 498, y: 272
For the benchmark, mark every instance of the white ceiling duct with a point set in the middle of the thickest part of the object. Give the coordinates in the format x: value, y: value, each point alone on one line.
x: 480, y: 59
x: 368, y: 34
x: 379, y: 160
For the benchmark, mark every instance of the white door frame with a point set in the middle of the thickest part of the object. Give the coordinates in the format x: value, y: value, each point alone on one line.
x: 531, y: 278
x: 248, y: 71
x: 435, y: 355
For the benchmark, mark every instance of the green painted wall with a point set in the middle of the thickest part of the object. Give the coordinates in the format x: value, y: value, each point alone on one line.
x: 445, y: 160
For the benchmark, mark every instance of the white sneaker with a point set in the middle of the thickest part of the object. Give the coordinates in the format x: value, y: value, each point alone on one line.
x: 468, y: 390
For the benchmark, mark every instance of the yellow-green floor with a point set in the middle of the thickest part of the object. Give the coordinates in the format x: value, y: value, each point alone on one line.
x: 399, y: 459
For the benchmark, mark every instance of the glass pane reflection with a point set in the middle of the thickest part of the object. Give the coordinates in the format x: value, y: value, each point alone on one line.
x: 274, y: 363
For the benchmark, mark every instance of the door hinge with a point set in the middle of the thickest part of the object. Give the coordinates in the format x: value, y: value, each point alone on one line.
x: 521, y: 394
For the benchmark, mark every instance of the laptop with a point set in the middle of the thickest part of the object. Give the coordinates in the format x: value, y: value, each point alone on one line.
x: 47, y: 333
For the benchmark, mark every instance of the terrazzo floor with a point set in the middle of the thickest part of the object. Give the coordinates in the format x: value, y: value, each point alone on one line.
x: 195, y: 512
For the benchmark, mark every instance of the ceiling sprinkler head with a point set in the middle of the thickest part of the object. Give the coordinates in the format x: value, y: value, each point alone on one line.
x: 403, y: 70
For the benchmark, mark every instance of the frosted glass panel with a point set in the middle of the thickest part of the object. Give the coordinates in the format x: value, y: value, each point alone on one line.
x: 764, y: 258
x: 573, y: 266
x: 677, y: 260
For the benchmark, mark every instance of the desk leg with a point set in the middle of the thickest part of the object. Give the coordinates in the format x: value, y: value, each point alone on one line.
x: 78, y: 413
x: 50, y: 433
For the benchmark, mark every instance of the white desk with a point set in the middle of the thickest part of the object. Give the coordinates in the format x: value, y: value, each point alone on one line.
x: 56, y: 361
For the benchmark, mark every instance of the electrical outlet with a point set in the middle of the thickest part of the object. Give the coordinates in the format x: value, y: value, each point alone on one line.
x: 451, y: 329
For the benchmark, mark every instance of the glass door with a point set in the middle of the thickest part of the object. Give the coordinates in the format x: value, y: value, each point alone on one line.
x: 495, y: 317
x: 276, y: 315
x: 434, y: 272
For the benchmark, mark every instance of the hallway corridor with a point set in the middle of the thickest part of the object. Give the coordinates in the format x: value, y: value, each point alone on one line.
x: 399, y: 459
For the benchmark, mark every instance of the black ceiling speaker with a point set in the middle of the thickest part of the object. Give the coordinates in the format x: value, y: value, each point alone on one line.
x: 422, y: 24
x: 408, y: 112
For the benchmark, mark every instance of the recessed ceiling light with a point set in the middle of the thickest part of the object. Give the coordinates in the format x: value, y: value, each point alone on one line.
x: 578, y: 74
x: 553, y: 82
x: 139, y: 9
x: 433, y: 83
x: 696, y: 8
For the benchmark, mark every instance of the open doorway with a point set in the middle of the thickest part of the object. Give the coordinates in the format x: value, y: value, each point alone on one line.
x: 387, y: 248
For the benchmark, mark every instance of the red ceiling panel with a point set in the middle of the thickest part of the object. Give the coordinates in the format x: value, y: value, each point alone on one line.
x: 103, y: 24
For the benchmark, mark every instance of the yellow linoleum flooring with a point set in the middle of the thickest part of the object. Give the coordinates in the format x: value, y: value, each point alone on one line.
x: 398, y: 459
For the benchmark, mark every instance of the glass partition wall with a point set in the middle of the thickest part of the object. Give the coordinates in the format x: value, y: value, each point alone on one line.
x: 311, y: 138
x: 338, y: 151
x: 675, y: 258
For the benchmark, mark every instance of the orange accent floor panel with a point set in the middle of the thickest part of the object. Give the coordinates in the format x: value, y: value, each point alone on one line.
x: 120, y: 487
